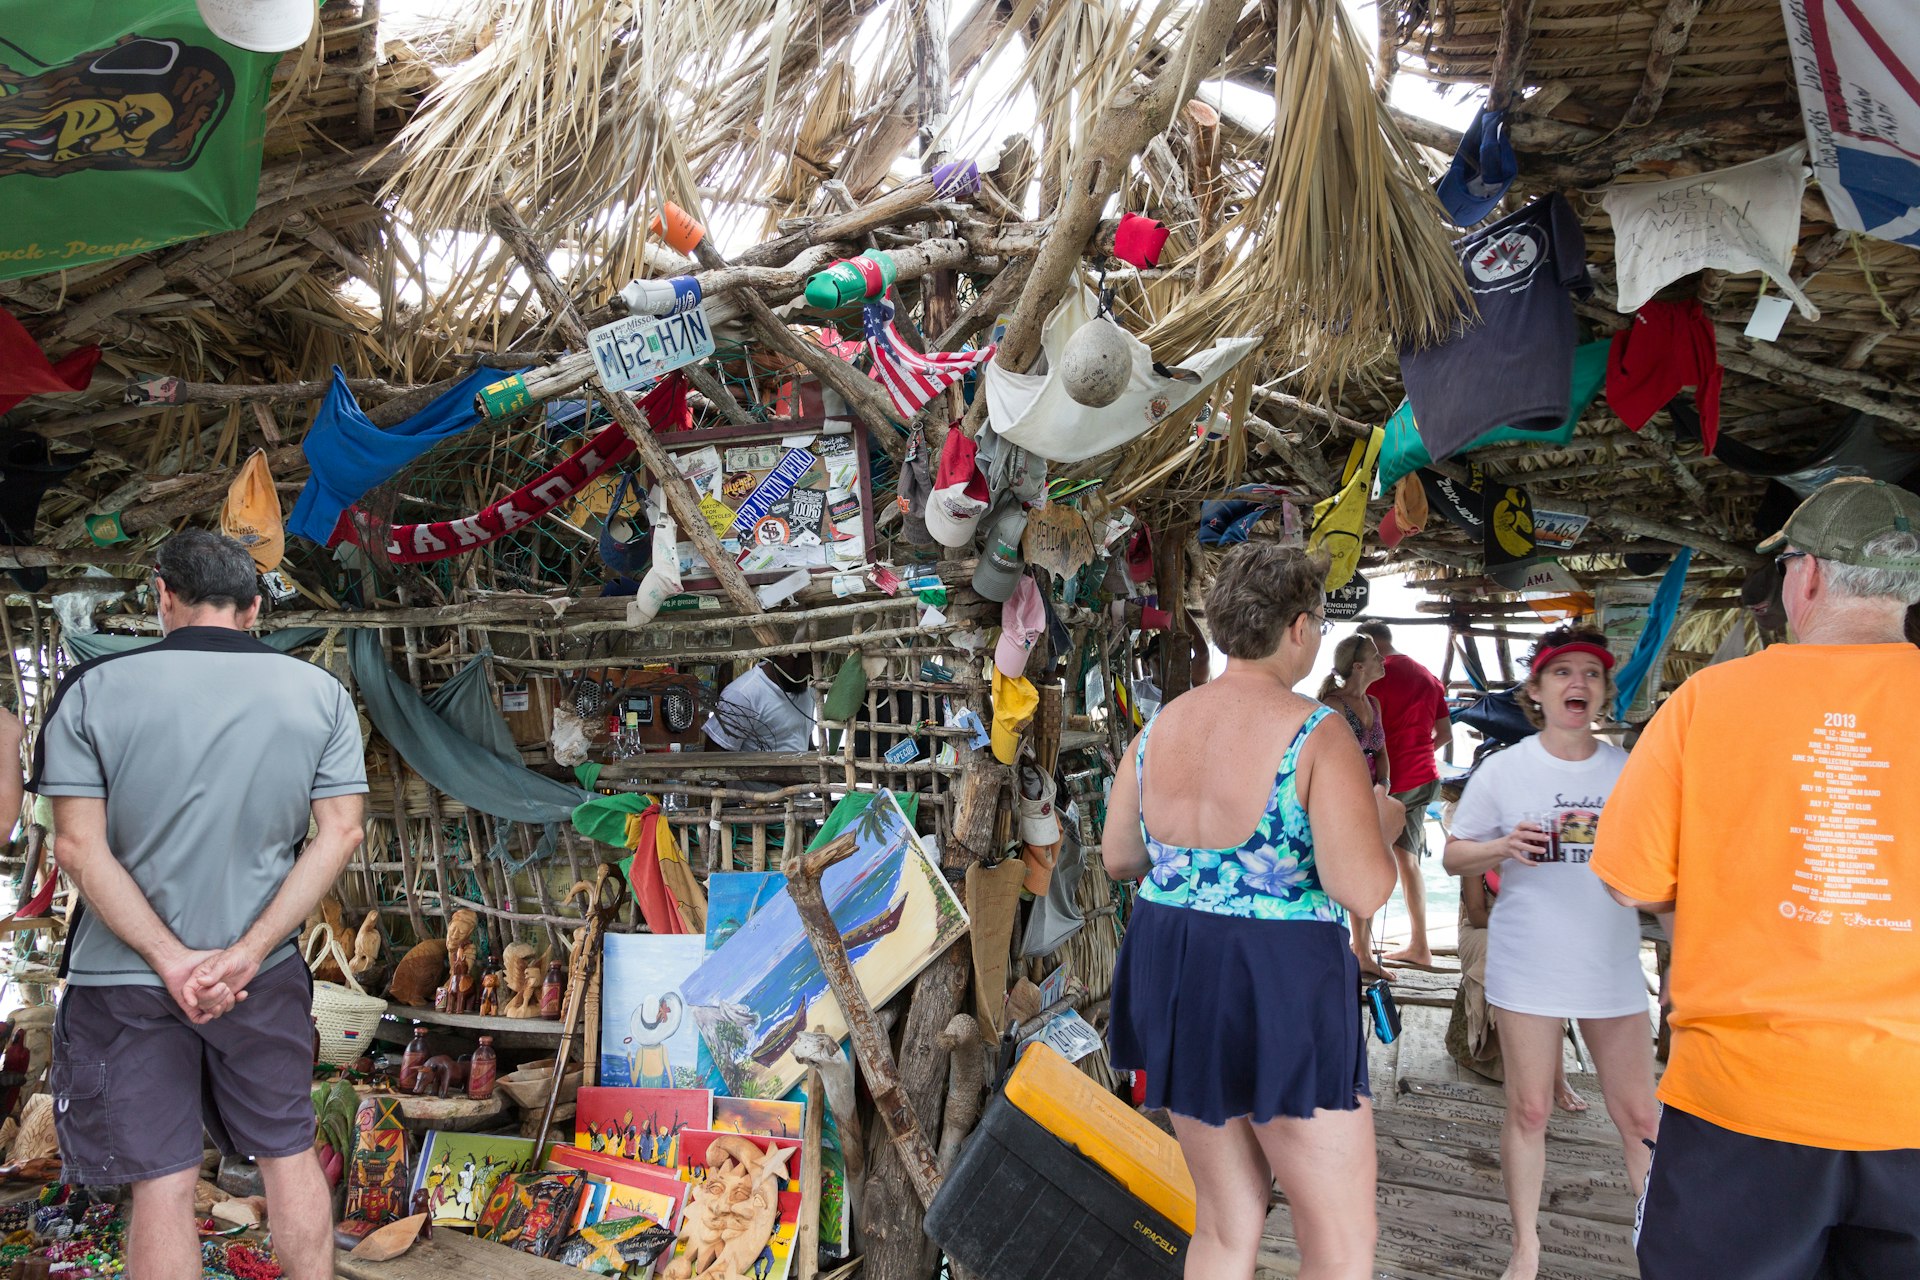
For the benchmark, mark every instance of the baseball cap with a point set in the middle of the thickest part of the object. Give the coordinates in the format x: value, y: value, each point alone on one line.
x: 998, y: 574
x: 1844, y: 515
x: 260, y: 26
x: 1482, y: 170
x: 960, y: 495
x: 1014, y: 702
x: 1022, y: 618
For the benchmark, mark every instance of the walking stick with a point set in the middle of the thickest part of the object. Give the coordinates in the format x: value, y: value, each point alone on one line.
x: 597, y: 912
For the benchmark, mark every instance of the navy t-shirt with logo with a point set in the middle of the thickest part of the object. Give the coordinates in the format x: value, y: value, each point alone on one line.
x: 1513, y: 366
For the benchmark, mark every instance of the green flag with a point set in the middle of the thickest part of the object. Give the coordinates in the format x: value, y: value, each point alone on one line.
x: 125, y: 126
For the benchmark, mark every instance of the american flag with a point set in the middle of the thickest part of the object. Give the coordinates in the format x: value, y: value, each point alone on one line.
x: 912, y: 379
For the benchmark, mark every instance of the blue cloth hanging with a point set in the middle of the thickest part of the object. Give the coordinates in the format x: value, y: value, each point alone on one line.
x: 350, y: 455
x: 1653, y: 638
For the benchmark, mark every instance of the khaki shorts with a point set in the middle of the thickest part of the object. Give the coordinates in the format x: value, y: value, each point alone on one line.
x: 1414, y: 838
x: 134, y: 1083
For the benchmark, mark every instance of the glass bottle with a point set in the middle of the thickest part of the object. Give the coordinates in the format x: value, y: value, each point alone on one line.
x: 551, y: 992
x: 482, y: 1071
x: 411, y: 1060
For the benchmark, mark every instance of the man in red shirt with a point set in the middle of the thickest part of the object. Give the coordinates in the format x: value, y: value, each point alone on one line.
x: 1413, y: 705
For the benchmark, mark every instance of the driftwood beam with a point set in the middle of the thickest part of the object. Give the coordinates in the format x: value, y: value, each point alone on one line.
x: 1867, y: 343
x: 863, y: 395
x: 1670, y: 32
x: 803, y: 872
x: 1103, y: 165
x: 1510, y: 59
x: 169, y: 391
x: 886, y: 136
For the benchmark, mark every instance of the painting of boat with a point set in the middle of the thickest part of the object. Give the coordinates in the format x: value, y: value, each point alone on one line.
x: 753, y: 995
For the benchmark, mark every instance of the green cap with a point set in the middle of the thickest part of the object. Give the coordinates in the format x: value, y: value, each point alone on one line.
x: 1844, y: 515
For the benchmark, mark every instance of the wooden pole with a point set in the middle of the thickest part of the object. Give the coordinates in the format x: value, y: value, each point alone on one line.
x: 806, y: 1243
x: 870, y: 1046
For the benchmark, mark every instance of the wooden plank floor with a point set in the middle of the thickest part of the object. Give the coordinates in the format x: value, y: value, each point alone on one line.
x: 1443, y: 1212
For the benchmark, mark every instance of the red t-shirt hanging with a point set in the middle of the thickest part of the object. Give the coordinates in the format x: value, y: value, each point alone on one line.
x: 1411, y: 699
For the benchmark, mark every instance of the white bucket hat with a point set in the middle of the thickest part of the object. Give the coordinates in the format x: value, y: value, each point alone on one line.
x: 260, y: 26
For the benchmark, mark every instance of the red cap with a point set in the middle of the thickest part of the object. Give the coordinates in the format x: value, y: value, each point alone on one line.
x: 1577, y: 646
x: 959, y: 465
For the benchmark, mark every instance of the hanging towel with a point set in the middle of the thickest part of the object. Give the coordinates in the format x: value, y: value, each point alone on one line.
x: 1668, y: 346
x: 1653, y: 637
x: 350, y: 455
x: 26, y: 371
x: 658, y: 907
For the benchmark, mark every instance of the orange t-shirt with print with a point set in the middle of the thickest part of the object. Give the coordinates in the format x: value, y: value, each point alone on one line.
x: 1775, y: 800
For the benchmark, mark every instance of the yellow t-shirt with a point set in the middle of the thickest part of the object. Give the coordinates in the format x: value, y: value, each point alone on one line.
x: 1776, y: 800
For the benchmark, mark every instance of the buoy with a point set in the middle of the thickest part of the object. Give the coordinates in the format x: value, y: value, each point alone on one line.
x: 1096, y: 364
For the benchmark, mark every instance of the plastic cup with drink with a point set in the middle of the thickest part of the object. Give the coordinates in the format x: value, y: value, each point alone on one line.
x: 1547, y: 822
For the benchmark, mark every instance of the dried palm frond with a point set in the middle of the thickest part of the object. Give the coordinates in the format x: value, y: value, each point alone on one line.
x: 1340, y: 253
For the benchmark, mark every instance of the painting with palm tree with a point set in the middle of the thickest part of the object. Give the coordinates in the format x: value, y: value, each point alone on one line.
x: 763, y: 986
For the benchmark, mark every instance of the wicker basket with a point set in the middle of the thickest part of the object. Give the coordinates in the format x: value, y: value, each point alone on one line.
x: 346, y: 1016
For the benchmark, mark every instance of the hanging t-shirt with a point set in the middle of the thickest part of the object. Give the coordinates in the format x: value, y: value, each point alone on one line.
x: 1514, y: 366
x: 755, y: 714
x: 1558, y: 945
x: 1775, y: 800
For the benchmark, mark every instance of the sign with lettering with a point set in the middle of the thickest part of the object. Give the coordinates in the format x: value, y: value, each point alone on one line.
x: 780, y: 482
x: 638, y: 349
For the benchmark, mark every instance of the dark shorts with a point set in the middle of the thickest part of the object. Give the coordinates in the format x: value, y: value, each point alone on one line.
x: 1414, y: 838
x: 1233, y: 1017
x: 134, y: 1083
x: 1725, y: 1205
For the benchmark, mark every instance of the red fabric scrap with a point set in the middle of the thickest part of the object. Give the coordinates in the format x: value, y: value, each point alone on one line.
x: 1138, y: 240
x: 1668, y: 346
x: 26, y: 371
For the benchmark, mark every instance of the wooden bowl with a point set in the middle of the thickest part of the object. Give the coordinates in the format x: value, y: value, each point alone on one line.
x: 528, y: 1086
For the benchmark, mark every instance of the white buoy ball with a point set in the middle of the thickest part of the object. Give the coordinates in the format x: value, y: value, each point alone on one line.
x: 1096, y: 364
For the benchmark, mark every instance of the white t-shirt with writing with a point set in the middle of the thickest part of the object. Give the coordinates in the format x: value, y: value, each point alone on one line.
x: 755, y: 714
x: 1558, y: 945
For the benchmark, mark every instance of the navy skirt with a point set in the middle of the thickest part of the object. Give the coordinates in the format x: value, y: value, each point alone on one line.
x: 1233, y: 1017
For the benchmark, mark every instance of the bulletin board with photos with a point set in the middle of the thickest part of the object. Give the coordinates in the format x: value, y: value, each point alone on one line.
x: 791, y: 494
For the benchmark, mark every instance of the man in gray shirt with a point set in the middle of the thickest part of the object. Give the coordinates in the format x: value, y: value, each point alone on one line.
x: 183, y: 775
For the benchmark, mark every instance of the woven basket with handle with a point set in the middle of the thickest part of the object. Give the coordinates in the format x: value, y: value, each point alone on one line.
x: 346, y: 1015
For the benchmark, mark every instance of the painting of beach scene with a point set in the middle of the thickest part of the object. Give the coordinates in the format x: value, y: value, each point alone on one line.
x: 763, y: 986
x: 734, y: 897
x: 646, y: 1038
x: 761, y: 1116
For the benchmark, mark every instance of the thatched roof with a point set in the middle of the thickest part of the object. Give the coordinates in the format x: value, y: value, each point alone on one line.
x: 390, y: 163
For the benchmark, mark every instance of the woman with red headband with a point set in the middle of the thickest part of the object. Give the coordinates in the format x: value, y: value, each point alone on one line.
x: 1558, y: 945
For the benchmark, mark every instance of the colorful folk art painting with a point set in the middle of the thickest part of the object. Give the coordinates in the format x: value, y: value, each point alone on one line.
x: 611, y: 1247
x: 630, y: 1188
x: 647, y: 1039
x: 125, y: 125
x: 754, y: 995
x: 378, y: 1188
x: 458, y: 1172
x: 639, y: 1124
x: 532, y: 1212
x: 760, y: 1116
x: 744, y: 1210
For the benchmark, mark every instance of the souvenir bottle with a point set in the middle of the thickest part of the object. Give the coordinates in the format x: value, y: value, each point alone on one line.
x: 483, y: 1071
x: 413, y: 1058
x: 551, y: 992
x: 852, y: 280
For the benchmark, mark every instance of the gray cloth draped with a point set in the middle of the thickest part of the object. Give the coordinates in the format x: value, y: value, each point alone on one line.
x: 456, y: 739
x: 88, y: 646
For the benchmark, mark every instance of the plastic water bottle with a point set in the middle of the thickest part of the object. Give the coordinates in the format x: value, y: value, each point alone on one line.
x: 852, y: 280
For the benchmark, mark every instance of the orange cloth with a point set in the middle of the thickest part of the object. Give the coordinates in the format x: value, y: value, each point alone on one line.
x: 1776, y: 800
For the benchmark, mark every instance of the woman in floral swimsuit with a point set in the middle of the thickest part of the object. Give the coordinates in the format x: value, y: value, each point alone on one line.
x: 1236, y: 991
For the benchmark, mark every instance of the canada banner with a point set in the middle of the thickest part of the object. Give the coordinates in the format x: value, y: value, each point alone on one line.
x: 664, y: 406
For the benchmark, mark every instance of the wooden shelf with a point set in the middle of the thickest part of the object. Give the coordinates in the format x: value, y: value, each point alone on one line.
x: 507, y: 1032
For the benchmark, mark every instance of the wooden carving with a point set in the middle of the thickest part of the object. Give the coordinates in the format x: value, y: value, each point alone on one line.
x: 732, y: 1214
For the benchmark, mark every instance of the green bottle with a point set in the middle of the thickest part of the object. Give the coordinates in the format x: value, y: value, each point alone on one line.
x: 852, y: 280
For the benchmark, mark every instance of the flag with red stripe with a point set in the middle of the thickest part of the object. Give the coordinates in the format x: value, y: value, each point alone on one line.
x: 910, y: 377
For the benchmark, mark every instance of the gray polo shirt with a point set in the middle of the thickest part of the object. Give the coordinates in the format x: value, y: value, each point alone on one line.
x: 208, y: 748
